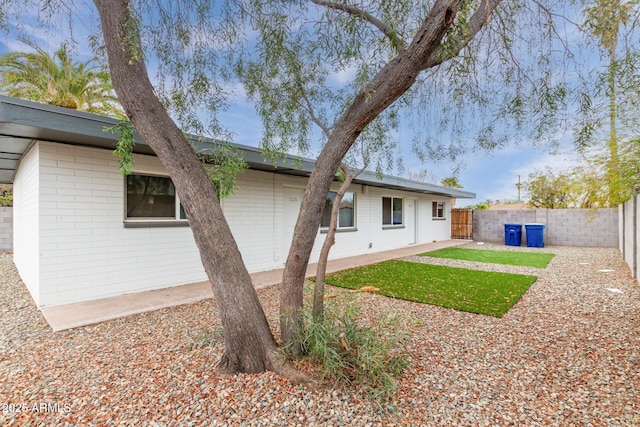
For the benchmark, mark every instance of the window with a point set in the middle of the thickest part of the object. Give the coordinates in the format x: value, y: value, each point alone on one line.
x: 437, y: 209
x: 391, y: 211
x: 346, y: 214
x: 152, y: 197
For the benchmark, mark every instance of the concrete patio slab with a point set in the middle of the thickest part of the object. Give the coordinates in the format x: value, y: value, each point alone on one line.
x: 90, y: 312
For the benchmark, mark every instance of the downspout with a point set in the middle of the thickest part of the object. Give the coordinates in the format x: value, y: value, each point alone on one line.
x: 621, y: 218
x: 275, y: 246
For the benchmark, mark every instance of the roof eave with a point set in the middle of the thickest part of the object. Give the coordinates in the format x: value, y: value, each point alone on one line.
x: 22, y: 122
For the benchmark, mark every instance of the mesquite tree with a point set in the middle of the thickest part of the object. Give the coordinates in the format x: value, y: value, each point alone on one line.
x: 399, y: 56
x: 249, y: 343
x: 395, y: 56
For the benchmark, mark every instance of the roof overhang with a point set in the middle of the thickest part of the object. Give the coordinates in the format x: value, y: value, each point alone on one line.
x: 24, y: 122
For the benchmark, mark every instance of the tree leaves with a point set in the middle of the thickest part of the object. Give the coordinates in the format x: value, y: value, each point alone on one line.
x: 126, y: 142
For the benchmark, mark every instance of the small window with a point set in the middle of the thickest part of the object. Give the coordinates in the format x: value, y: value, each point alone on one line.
x: 152, y: 197
x: 437, y: 209
x: 391, y: 211
x: 346, y: 214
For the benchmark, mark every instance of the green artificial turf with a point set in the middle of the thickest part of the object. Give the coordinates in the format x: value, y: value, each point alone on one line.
x: 524, y: 259
x: 474, y: 291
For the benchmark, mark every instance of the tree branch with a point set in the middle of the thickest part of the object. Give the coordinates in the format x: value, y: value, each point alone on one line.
x: 321, y: 270
x: 476, y: 23
x: 551, y: 15
x: 396, y: 41
x: 312, y: 115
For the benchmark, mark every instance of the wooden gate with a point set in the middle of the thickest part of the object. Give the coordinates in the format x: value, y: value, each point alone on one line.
x: 462, y: 223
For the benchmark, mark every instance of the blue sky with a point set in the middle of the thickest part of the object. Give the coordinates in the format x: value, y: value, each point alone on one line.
x: 490, y: 175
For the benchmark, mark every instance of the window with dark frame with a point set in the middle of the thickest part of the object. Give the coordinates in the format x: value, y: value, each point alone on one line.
x: 346, y: 214
x: 437, y: 209
x: 391, y: 211
x: 152, y: 197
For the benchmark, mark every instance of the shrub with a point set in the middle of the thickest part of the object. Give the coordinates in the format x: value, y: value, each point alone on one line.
x: 352, y: 351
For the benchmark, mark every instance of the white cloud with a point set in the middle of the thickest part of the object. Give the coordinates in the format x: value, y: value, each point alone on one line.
x: 345, y: 75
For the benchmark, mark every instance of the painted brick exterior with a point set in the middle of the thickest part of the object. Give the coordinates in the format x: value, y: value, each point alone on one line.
x: 629, y: 232
x: 564, y: 227
x: 85, y: 252
x: 26, y: 225
x: 71, y: 243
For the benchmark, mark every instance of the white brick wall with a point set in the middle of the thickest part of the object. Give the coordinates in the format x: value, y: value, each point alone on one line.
x: 26, y: 233
x: 434, y: 229
x: 83, y: 251
x: 86, y: 253
x: 250, y: 213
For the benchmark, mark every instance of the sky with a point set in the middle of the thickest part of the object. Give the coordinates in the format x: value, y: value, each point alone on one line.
x: 491, y: 176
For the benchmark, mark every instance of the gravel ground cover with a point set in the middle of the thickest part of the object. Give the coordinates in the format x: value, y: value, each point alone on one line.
x: 567, y: 354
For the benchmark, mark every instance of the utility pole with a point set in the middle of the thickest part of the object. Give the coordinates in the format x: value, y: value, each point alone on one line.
x: 518, y: 185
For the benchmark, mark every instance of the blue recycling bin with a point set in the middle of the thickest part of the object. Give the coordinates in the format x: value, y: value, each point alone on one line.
x: 512, y: 234
x: 535, y: 235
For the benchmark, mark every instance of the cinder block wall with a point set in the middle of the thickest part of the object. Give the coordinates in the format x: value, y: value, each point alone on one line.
x: 564, y: 227
x: 488, y: 226
x: 6, y: 229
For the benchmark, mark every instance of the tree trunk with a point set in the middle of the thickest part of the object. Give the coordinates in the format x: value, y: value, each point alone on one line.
x: 249, y: 343
x: 393, y: 80
x: 330, y: 239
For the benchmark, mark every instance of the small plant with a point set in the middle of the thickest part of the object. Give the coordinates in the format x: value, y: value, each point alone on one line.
x: 352, y: 351
x: 6, y: 195
x: 6, y: 199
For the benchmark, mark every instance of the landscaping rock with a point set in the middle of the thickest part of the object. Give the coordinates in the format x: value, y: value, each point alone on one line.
x: 567, y: 354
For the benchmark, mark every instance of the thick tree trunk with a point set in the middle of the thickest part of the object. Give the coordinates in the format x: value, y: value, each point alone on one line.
x: 249, y: 343
x: 393, y: 80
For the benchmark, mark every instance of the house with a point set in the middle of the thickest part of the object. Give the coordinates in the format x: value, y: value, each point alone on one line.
x: 83, y: 231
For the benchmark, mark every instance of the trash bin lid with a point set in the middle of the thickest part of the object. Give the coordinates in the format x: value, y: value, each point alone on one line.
x: 513, y: 225
x: 534, y: 225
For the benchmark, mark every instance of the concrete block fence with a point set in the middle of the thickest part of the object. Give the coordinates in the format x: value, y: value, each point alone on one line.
x: 6, y: 229
x: 563, y: 227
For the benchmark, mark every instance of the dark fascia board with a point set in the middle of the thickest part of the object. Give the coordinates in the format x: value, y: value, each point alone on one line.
x: 33, y: 121
x: 388, y: 181
x: 22, y: 120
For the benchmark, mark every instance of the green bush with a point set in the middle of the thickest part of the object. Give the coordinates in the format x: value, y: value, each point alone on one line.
x: 6, y: 200
x: 352, y: 351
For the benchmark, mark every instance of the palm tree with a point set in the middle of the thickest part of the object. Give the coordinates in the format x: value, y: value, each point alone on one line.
x: 57, y: 80
x: 605, y: 18
x: 451, y: 182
